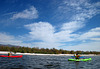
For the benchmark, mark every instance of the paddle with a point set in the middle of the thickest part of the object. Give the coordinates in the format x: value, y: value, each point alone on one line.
x: 79, y: 57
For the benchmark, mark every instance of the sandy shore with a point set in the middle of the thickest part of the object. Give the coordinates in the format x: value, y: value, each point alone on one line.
x: 6, y: 52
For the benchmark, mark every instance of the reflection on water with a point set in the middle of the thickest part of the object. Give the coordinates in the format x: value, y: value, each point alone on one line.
x: 77, y: 65
x: 47, y: 62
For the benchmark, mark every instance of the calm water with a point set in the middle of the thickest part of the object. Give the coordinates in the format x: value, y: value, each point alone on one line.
x: 48, y: 62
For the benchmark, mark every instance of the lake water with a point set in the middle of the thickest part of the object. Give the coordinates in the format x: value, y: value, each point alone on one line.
x: 48, y: 62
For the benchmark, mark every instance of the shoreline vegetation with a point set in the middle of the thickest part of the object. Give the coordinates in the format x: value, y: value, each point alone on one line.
x: 42, y: 51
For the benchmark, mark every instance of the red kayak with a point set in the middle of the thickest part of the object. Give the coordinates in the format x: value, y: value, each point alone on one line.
x: 18, y: 56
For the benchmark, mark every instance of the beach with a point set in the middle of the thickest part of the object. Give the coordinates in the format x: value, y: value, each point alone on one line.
x: 6, y: 52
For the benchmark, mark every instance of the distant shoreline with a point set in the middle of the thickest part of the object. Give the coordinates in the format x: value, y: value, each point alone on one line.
x: 6, y: 52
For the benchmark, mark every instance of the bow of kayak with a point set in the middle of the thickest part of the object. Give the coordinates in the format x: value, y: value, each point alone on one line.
x: 80, y: 59
x: 18, y: 56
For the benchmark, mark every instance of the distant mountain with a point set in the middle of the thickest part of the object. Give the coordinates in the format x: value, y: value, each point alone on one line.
x: 9, y: 45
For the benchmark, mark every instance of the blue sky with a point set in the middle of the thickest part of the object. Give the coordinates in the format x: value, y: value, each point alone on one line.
x: 61, y: 24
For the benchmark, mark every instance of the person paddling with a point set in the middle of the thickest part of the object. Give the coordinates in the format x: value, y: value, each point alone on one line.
x: 77, y: 56
x: 9, y: 54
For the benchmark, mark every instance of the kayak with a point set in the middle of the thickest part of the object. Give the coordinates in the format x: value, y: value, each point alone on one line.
x: 18, y: 56
x: 80, y: 59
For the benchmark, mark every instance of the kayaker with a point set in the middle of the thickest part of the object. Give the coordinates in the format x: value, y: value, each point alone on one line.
x: 9, y: 54
x: 77, y: 56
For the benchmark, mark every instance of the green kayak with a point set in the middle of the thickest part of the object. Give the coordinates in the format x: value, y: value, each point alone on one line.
x: 80, y: 59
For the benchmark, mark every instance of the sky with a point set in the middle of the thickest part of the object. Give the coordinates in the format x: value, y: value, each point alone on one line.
x: 61, y: 24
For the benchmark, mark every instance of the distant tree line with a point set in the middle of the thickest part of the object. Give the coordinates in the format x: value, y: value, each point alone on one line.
x: 43, y: 50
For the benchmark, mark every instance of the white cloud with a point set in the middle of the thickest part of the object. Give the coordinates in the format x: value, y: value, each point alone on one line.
x: 30, y: 13
x: 78, y: 11
x: 45, y: 32
x: 72, y: 26
x: 65, y: 36
x: 92, y: 46
x: 41, y: 31
x: 91, y: 34
x: 96, y: 39
x: 45, y: 35
x: 47, y: 44
x: 81, y: 11
x: 8, y: 39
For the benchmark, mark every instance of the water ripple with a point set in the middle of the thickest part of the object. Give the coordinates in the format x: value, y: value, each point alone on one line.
x: 48, y: 62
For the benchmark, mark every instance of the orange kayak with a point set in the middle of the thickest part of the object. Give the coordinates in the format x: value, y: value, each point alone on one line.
x: 18, y: 56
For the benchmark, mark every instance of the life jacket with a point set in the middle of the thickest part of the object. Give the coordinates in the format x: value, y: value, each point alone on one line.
x: 77, y: 56
x: 8, y: 54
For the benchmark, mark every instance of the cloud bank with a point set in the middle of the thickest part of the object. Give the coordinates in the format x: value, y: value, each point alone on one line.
x: 8, y: 39
x: 44, y: 34
x: 83, y: 11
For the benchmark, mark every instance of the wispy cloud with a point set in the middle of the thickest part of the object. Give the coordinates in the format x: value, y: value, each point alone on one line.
x: 95, y: 39
x: 10, y: 39
x: 9, y: 13
x: 46, y: 44
x: 91, y: 46
x: 30, y: 13
x: 72, y: 26
x: 92, y: 34
x: 80, y: 11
